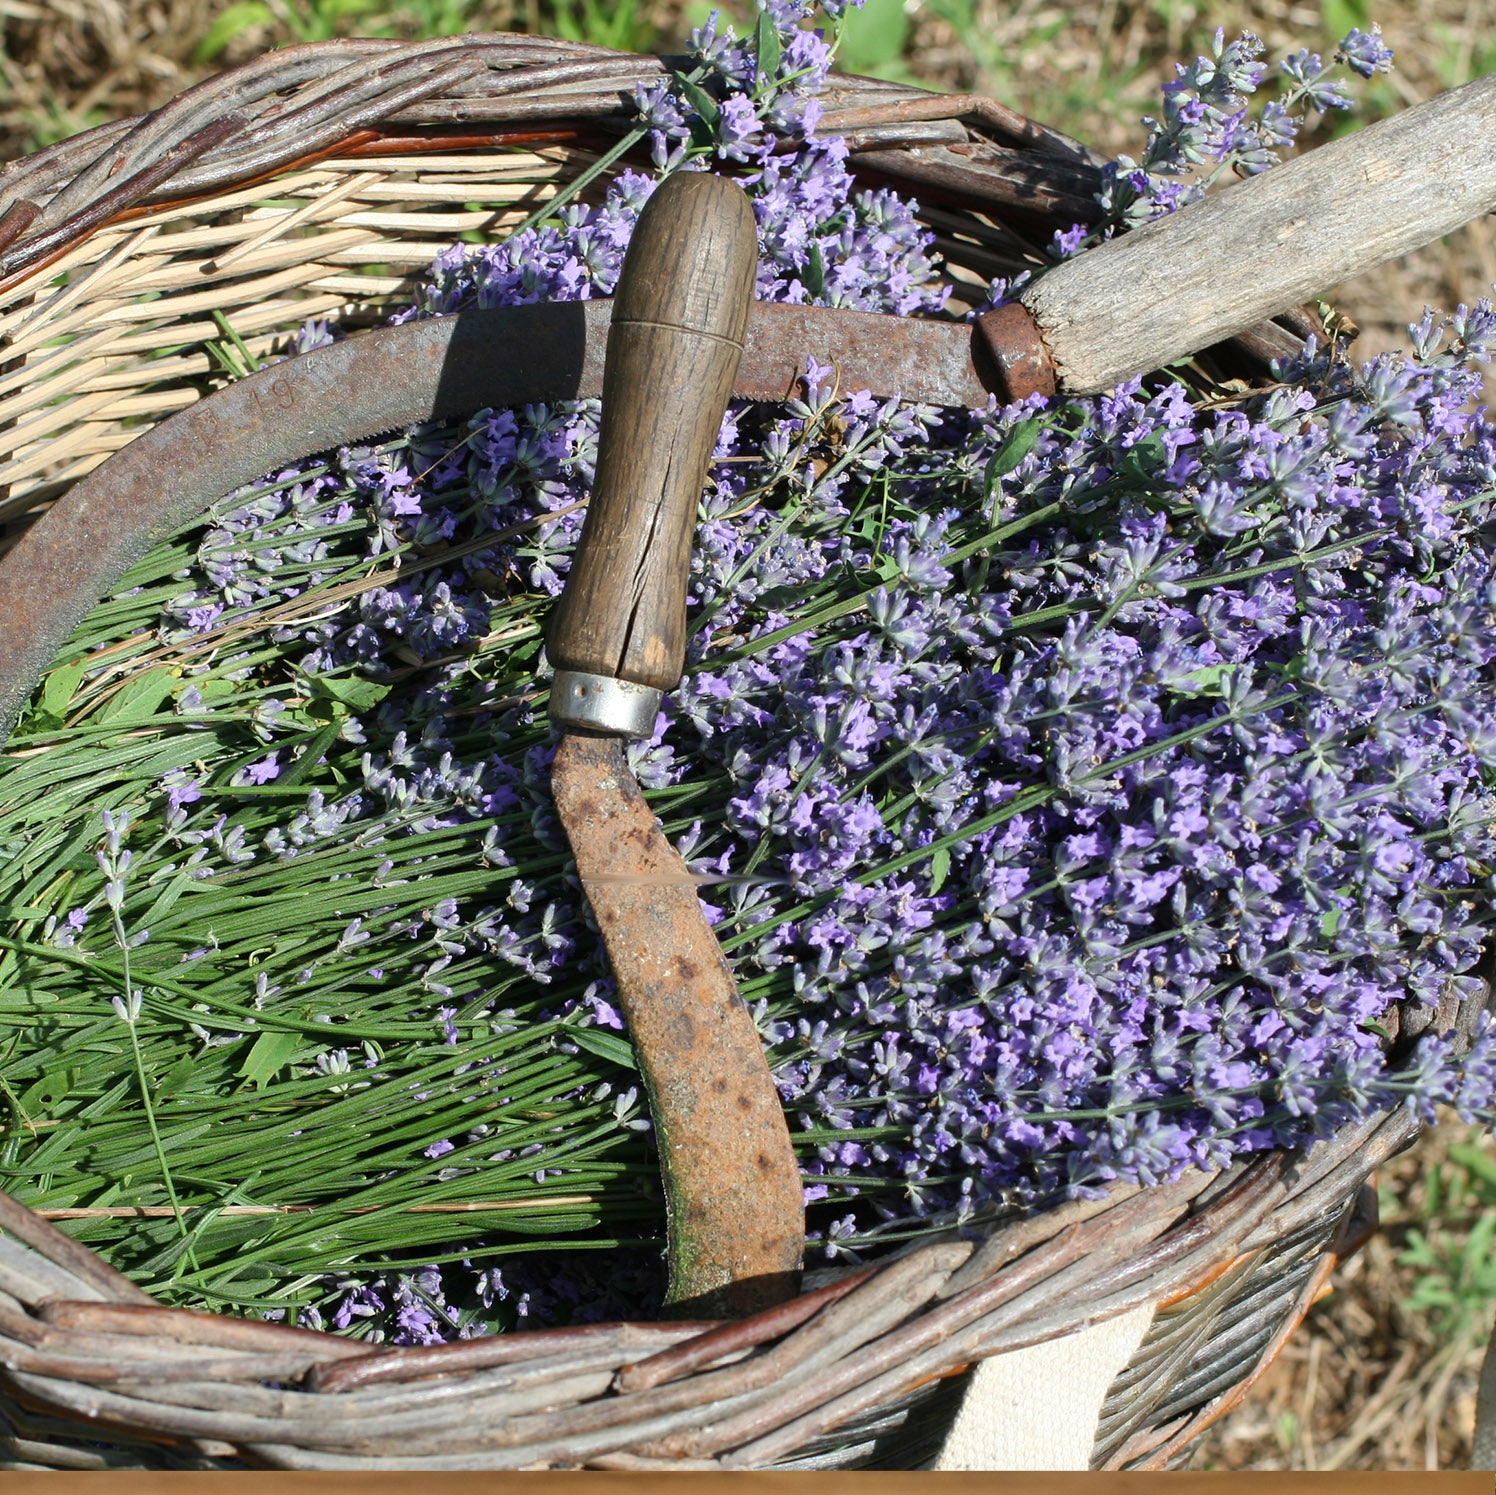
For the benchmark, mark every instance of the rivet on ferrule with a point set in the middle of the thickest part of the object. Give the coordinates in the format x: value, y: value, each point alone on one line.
x: 1009, y: 353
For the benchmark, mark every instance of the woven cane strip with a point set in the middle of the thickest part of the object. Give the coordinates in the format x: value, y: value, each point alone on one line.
x: 123, y: 339
x: 292, y: 103
x: 97, y: 286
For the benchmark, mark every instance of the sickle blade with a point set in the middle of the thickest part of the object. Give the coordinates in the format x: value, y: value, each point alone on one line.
x: 616, y: 639
x: 720, y: 1129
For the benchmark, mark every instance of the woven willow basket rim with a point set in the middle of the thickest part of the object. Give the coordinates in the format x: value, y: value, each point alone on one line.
x: 265, y: 194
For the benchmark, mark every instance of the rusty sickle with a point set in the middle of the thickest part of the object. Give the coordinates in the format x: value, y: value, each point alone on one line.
x: 617, y: 640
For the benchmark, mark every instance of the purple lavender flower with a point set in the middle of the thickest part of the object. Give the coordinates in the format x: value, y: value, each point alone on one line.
x: 1308, y: 75
x: 181, y: 791
x: 1209, y: 123
x: 1364, y: 52
x: 261, y: 772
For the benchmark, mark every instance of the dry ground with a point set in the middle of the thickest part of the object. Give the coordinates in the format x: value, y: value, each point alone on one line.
x: 1369, y: 1383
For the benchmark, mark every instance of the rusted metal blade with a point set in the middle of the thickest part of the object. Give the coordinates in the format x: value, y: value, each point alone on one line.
x: 701, y: 1056
x: 385, y: 380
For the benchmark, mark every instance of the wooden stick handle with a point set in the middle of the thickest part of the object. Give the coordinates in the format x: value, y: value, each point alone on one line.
x: 679, y: 322
x: 1273, y: 241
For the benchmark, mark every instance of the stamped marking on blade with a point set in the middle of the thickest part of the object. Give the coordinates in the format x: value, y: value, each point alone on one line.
x: 735, y: 1248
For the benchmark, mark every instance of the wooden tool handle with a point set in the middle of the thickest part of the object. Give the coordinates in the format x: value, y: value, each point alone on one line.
x: 679, y: 322
x: 1273, y: 241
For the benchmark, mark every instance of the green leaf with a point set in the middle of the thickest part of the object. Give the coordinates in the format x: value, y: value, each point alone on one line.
x: 1475, y: 1257
x: 268, y: 1055
x: 311, y: 755
x: 237, y: 18
x: 138, y: 699
x: 230, y: 361
x: 699, y: 99
x: 873, y: 37
x: 1208, y: 680
x: 1475, y: 1160
x: 1340, y: 17
x: 1144, y: 460
x: 21, y: 912
x: 1433, y: 1194
x: 1329, y: 922
x: 620, y: 25
x: 352, y: 691
x: 58, y: 688
x: 1016, y: 445
x: 52, y: 1087
x: 814, y: 273
x: 177, y: 1075
x: 940, y: 868
x: 606, y: 1046
x: 262, y: 791
x: 211, y: 688
x: 766, y: 48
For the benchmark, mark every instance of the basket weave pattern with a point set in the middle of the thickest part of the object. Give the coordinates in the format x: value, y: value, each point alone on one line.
x: 348, y: 199
x: 1234, y: 1260
x: 320, y: 182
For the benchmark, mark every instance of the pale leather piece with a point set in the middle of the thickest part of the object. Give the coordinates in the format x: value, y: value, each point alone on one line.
x: 1038, y: 1408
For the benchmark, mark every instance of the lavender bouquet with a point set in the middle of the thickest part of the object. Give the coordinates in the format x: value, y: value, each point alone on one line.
x: 1081, y: 790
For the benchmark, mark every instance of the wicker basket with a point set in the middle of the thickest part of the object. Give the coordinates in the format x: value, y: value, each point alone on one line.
x: 319, y: 181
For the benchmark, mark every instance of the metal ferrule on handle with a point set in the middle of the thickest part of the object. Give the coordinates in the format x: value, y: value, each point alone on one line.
x: 603, y: 703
